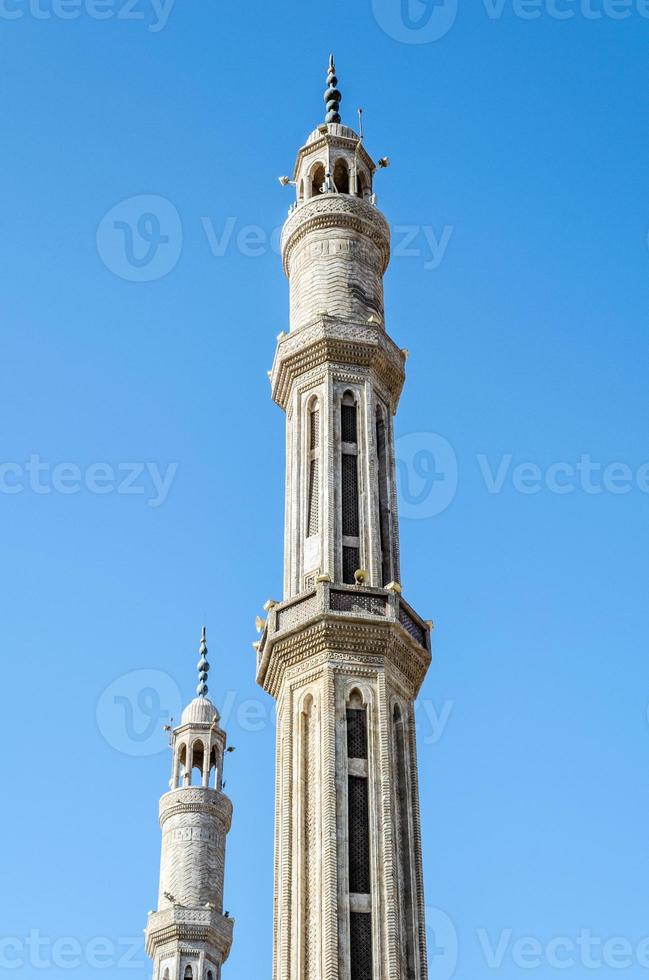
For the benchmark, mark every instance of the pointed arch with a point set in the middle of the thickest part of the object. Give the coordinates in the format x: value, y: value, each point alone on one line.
x: 313, y: 463
x: 403, y: 837
x: 382, y: 470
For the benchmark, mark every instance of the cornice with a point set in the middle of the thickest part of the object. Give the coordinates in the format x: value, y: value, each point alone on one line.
x: 332, y: 341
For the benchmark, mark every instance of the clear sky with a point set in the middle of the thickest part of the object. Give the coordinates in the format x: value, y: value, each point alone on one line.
x: 134, y: 362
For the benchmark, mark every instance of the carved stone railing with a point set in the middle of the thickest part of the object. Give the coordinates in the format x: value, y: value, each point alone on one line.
x: 342, y: 601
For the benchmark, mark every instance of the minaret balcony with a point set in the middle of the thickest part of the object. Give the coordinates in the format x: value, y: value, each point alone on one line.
x: 336, y: 211
x: 196, y: 799
x: 332, y: 340
x: 187, y: 925
x: 392, y: 627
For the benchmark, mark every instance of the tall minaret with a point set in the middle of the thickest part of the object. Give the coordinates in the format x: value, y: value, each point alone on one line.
x: 189, y: 937
x: 343, y: 653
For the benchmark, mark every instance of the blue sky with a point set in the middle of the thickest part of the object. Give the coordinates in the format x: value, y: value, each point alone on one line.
x: 517, y: 134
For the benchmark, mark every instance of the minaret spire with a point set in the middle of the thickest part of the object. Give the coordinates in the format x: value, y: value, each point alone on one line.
x: 203, y: 667
x: 332, y: 96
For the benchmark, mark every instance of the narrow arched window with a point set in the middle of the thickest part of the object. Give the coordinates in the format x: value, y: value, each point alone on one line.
x: 198, y: 754
x: 358, y: 833
x: 210, y: 975
x: 189, y: 973
x: 349, y: 488
x: 383, y: 501
x: 403, y: 837
x: 300, y: 193
x: 183, y: 773
x: 341, y: 176
x: 313, y: 477
x: 165, y: 975
x: 317, y: 180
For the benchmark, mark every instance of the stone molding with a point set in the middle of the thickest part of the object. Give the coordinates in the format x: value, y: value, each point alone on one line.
x: 335, y: 211
x: 330, y: 341
x: 196, y: 799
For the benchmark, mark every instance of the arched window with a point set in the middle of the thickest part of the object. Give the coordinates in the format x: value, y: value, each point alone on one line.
x: 198, y: 753
x: 384, y: 506
x: 341, y: 176
x: 349, y: 488
x: 210, y: 975
x: 358, y: 833
x: 189, y: 973
x: 317, y: 180
x: 313, y: 477
x: 183, y: 775
x: 403, y: 835
x: 300, y: 197
x: 165, y: 975
x: 213, y: 769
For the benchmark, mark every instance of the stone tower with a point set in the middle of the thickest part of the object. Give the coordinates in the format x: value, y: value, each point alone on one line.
x: 343, y: 653
x: 189, y: 937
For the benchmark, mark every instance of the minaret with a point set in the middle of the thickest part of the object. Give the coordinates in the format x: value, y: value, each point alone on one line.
x: 189, y: 937
x: 343, y: 653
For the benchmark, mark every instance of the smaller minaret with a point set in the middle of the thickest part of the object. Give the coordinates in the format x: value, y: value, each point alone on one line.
x: 189, y: 937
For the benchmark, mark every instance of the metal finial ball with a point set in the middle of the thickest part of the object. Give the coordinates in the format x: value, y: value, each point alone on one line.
x: 332, y: 96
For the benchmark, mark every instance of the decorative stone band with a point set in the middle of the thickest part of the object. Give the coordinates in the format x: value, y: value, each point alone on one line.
x: 183, y: 925
x: 327, y: 616
x: 335, y: 211
x: 196, y: 799
x: 329, y: 340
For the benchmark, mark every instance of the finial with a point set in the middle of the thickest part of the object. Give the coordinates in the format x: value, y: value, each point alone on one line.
x: 202, y: 667
x: 332, y: 96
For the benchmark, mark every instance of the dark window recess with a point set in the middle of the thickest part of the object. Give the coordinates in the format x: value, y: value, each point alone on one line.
x: 350, y: 565
x: 360, y: 929
x: 348, y: 423
x: 359, y: 836
x: 357, y: 733
x: 350, y: 496
x: 314, y: 434
x: 314, y: 490
x: 403, y: 843
x: 384, y: 513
